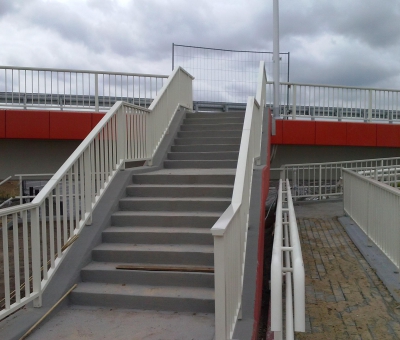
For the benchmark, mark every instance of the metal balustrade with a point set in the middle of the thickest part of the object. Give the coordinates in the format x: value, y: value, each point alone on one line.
x: 341, y: 103
x: 375, y: 207
x: 75, y: 89
x: 42, y: 230
x: 324, y: 180
x: 287, y: 262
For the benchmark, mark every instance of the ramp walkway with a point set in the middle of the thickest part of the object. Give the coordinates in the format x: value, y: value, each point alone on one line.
x: 345, y: 299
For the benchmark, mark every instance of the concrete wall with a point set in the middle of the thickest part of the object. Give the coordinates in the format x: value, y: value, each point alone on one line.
x: 23, y: 156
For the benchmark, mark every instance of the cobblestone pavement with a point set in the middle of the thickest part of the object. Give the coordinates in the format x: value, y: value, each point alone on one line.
x: 344, y: 297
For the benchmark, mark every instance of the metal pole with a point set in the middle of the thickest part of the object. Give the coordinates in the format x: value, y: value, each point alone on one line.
x: 276, y: 56
x: 173, y: 55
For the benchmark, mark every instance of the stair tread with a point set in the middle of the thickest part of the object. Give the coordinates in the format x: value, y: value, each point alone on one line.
x: 145, y: 290
x: 180, y: 185
x: 168, y: 213
x: 190, y: 248
x: 165, y: 230
x: 111, y: 266
x: 177, y: 199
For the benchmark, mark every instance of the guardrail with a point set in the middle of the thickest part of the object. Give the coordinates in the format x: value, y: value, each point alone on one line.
x: 230, y: 231
x: 35, y: 247
x: 286, y: 260
x: 375, y: 207
x: 324, y: 180
x: 312, y: 101
x: 26, y: 87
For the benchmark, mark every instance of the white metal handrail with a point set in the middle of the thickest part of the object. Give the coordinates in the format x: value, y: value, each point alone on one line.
x: 321, y: 180
x: 311, y: 101
x: 286, y: 260
x: 375, y: 207
x: 230, y: 231
x: 65, y: 204
x: 28, y: 87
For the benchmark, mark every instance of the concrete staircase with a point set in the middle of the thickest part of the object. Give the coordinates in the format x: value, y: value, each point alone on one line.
x: 158, y: 252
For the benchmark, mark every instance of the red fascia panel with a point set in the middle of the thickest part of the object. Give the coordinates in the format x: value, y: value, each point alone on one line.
x: 96, y: 117
x: 298, y: 132
x: 361, y: 134
x: 277, y: 139
x: 2, y: 124
x: 27, y: 124
x: 330, y: 133
x: 70, y: 125
x: 388, y: 135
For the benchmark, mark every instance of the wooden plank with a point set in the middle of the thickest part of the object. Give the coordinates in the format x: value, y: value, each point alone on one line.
x: 166, y: 268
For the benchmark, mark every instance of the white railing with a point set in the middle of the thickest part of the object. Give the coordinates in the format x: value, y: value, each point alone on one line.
x: 375, y: 207
x: 230, y: 231
x: 286, y: 260
x: 310, y: 101
x: 26, y: 87
x: 323, y: 180
x: 36, y: 235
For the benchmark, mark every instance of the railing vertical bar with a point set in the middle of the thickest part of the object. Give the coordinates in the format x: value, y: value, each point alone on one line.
x: 71, y: 202
x: 25, y: 242
x: 44, y: 239
x: 58, y: 219
x: 51, y: 229
x: 6, y: 263
x: 17, y: 280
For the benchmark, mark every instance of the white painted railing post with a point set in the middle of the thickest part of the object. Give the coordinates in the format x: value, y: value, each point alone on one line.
x: 369, y: 105
x: 121, y: 135
x: 219, y: 279
x: 294, y: 108
x: 89, y: 172
x: 35, y: 243
x: 96, y: 92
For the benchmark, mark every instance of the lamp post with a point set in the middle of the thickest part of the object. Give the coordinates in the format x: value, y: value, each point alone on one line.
x: 276, y: 57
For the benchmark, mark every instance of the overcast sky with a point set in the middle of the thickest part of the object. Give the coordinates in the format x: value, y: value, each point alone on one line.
x: 341, y: 42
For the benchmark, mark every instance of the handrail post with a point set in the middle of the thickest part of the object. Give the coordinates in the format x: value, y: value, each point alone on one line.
x: 36, y: 272
x: 294, y: 108
x: 96, y: 92
x: 121, y: 135
x: 220, y: 289
x: 369, y: 106
x: 88, y: 185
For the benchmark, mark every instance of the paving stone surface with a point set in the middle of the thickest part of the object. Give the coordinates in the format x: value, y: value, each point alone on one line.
x: 344, y: 297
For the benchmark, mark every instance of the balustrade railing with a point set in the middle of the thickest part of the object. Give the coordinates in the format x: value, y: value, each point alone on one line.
x: 324, y: 180
x: 230, y: 231
x: 36, y: 235
x: 75, y: 89
x: 287, y: 262
x: 341, y: 103
x: 375, y: 207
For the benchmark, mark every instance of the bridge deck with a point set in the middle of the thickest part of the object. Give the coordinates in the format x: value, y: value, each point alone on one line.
x: 345, y: 299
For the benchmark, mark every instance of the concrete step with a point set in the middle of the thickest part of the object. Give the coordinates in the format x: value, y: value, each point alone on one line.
x: 192, y: 254
x: 231, y: 155
x: 212, y: 133
x: 154, y: 190
x: 186, y: 179
x: 175, y: 298
x: 157, y: 235
x: 165, y: 219
x: 215, y: 114
x: 106, y: 272
x: 174, y: 204
x: 211, y: 127
x: 200, y: 164
x: 213, y: 120
x: 205, y: 147
x: 207, y: 140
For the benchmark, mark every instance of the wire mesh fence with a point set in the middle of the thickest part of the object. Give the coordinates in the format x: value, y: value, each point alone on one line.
x: 225, y: 75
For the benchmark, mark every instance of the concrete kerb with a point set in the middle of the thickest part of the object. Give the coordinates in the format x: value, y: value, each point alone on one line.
x: 379, y: 262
